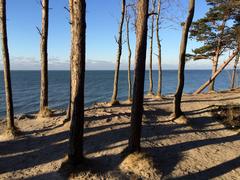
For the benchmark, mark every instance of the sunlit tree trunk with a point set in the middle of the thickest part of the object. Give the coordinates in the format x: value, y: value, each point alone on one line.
x: 177, y: 112
x: 234, y: 72
x: 217, y: 55
x: 150, y: 91
x: 159, y: 90
x: 127, y: 17
x: 119, y: 53
x: 139, y: 73
x: 214, y: 69
x: 78, y: 49
x: 6, y: 68
x: 44, y: 59
x: 70, y: 86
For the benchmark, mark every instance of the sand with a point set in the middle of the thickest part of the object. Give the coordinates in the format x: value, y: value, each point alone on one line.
x: 201, y: 149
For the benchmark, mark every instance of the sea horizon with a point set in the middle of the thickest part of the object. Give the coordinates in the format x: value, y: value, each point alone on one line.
x: 98, y: 86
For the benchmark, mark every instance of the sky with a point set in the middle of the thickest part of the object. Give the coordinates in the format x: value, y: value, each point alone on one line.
x: 102, y: 26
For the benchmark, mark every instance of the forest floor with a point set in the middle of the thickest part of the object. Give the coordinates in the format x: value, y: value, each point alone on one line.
x: 202, y: 149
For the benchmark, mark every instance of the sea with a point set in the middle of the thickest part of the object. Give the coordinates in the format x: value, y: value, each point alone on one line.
x: 98, y: 87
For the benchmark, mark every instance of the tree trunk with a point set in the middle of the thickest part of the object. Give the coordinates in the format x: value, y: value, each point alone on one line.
x: 217, y: 73
x: 150, y: 91
x: 6, y: 64
x: 44, y: 58
x: 217, y: 54
x: 177, y: 112
x: 139, y: 74
x: 78, y: 49
x: 234, y: 72
x: 119, y: 53
x: 159, y: 91
x: 214, y: 69
x: 70, y: 86
x: 129, y: 58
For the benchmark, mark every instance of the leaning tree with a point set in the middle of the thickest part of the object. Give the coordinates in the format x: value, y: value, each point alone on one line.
x: 139, y: 74
x: 78, y: 56
x: 177, y: 112
x: 7, y: 75
x: 213, y: 31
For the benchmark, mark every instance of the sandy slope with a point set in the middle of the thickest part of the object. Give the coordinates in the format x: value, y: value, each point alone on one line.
x: 202, y: 149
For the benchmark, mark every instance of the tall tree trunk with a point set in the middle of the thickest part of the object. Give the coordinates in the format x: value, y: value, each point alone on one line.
x: 44, y: 58
x: 177, y: 112
x: 78, y: 49
x: 6, y: 63
x: 234, y: 71
x: 70, y: 86
x: 119, y: 53
x: 139, y: 73
x: 217, y: 72
x: 150, y: 91
x: 129, y: 57
x: 159, y: 90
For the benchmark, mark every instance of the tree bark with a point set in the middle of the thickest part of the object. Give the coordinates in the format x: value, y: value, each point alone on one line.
x: 159, y: 90
x: 234, y: 71
x: 150, y: 91
x: 217, y: 72
x: 6, y: 64
x: 44, y: 57
x: 214, y: 69
x: 119, y: 53
x: 177, y: 112
x: 139, y: 74
x: 217, y: 54
x: 78, y: 49
x: 70, y: 86
x: 129, y: 57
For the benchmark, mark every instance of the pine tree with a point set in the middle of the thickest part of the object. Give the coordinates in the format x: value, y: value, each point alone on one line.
x: 213, y: 30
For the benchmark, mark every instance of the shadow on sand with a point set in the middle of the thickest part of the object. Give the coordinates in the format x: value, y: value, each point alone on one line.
x: 29, y: 151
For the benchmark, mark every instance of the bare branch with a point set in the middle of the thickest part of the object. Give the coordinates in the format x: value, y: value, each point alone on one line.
x: 67, y: 9
x: 39, y: 31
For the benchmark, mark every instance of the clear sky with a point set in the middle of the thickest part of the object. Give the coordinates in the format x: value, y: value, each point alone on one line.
x: 102, y: 25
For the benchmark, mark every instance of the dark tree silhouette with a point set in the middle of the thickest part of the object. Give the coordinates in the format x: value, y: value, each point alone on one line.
x: 139, y: 74
x: 7, y: 74
x: 78, y: 13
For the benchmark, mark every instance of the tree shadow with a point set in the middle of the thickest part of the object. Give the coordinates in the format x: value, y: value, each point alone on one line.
x: 28, y: 151
x: 215, y: 171
x: 167, y: 157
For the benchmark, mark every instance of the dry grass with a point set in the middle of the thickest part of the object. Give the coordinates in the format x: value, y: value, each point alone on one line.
x: 140, y: 165
x: 229, y: 115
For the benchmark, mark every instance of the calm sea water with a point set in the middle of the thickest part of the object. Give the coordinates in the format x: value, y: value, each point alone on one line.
x: 98, y: 88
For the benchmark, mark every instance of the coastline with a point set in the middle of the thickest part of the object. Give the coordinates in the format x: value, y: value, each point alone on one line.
x: 186, y: 151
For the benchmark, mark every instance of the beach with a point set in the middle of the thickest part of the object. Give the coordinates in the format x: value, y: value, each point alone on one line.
x: 203, y: 148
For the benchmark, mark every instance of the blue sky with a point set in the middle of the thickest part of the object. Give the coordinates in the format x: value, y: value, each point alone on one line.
x: 102, y: 25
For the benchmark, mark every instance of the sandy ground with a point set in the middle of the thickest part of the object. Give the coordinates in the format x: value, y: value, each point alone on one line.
x: 202, y: 149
